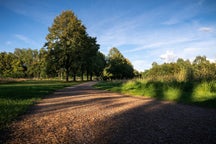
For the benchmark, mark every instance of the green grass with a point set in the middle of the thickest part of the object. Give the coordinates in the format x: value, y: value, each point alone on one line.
x: 194, y: 93
x: 16, y: 97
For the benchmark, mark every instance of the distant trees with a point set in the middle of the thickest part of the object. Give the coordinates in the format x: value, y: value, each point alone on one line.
x: 23, y: 63
x: 118, y: 67
x: 183, y: 70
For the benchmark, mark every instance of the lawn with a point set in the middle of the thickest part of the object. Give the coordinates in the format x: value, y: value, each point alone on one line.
x: 193, y: 93
x: 16, y: 97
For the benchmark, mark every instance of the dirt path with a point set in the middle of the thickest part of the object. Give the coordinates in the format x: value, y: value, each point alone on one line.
x: 81, y: 114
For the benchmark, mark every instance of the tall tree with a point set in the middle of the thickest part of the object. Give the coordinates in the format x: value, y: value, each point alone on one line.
x: 118, y: 66
x: 64, y: 41
x: 99, y: 64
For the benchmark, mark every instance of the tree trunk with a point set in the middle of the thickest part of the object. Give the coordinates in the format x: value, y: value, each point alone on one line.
x: 67, y: 76
x: 82, y: 75
x: 91, y: 76
x: 87, y: 75
x: 74, y: 77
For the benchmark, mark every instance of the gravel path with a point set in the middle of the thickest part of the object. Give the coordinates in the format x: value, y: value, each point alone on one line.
x: 83, y: 115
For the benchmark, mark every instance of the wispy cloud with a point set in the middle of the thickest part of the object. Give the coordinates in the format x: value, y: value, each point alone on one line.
x: 25, y: 39
x: 36, y: 10
x: 164, y: 42
x: 206, y: 29
x: 188, y: 11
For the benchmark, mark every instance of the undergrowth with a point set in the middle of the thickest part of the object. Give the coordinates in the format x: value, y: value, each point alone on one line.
x: 195, y: 93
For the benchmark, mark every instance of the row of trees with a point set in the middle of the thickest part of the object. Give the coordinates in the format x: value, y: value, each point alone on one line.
x: 69, y: 50
x: 183, y: 70
x: 23, y: 63
x: 28, y: 63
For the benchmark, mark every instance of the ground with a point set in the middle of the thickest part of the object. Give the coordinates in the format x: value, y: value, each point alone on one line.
x: 82, y: 114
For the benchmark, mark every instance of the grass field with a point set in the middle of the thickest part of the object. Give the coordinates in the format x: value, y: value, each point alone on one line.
x: 194, y: 93
x: 16, y: 97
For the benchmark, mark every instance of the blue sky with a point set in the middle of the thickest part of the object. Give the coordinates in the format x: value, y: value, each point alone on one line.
x: 145, y: 31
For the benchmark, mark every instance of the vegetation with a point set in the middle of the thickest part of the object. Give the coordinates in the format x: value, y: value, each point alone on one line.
x: 69, y: 51
x: 182, y: 81
x: 197, y: 93
x: 16, y: 97
x: 69, y: 46
x: 200, y: 69
x: 118, y: 67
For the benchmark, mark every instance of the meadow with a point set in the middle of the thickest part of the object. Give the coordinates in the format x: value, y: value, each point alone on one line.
x: 16, y: 97
x: 194, y: 93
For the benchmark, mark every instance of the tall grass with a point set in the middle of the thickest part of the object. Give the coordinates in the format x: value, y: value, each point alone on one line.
x: 16, y: 97
x: 198, y: 93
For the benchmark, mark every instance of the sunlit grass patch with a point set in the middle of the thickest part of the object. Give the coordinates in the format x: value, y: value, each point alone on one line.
x: 195, y: 93
x: 15, y: 98
x: 204, y: 91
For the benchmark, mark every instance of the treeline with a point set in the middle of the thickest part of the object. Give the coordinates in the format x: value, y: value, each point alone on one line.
x: 68, y: 52
x: 29, y: 63
x: 23, y: 63
x: 200, y: 69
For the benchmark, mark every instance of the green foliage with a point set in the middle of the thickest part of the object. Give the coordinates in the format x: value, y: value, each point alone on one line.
x: 64, y: 41
x: 23, y: 63
x: 118, y: 67
x: 16, y: 97
x: 70, y: 49
x: 182, y: 71
x: 198, y: 93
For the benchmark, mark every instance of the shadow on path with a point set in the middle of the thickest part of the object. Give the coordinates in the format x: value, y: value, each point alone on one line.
x: 81, y: 114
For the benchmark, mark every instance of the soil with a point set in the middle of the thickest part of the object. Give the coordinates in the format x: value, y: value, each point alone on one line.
x: 84, y: 115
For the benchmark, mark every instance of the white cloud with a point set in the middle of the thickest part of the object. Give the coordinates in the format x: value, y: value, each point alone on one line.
x: 141, y: 65
x: 206, y: 29
x: 169, y: 56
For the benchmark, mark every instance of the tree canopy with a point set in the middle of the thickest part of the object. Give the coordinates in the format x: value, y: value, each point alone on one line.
x: 118, y: 67
x: 65, y: 41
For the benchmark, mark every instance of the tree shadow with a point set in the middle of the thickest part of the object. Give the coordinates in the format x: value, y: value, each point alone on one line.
x: 122, y: 119
x: 167, y: 123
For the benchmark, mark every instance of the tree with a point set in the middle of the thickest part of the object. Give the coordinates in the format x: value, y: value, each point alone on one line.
x: 90, y: 56
x: 10, y: 66
x: 29, y: 60
x: 118, y: 66
x: 64, y: 41
x: 99, y: 64
x: 203, y: 69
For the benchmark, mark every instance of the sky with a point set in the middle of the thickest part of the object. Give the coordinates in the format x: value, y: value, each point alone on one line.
x: 145, y: 31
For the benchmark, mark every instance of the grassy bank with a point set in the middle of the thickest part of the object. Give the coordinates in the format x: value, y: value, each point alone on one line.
x: 16, y: 97
x: 195, y: 93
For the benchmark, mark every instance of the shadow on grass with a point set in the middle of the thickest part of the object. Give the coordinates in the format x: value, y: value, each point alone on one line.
x: 15, y: 98
x: 193, y: 93
x: 140, y: 120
